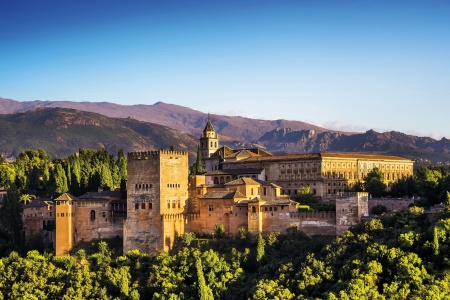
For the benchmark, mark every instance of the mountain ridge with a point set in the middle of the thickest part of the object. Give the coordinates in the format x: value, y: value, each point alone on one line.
x: 277, y: 136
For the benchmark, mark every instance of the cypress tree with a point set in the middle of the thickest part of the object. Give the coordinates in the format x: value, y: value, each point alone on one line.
x: 204, y: 292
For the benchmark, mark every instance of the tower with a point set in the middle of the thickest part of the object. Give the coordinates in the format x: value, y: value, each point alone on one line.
x: 64, y: 224
x: 209, y: 141
x: 157, y: 190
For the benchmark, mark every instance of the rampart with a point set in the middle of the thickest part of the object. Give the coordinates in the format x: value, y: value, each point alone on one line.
x: 150, y: 154
x: 391, y: 204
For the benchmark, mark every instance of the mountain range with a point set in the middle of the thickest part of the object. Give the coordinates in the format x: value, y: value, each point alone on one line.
x: 61, y: 127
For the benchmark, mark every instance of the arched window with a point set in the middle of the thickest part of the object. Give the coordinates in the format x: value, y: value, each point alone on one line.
x: 216, y: 180
x: 92, y: 215
x: 253, y: 209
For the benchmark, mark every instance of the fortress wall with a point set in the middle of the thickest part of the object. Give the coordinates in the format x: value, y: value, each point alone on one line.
x: 102, y: 227
x: 391, y: 204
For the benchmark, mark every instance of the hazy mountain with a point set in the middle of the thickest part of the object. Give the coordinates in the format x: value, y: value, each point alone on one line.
x: 61, y: 131
x: 173, y: 116
x: 64, y: 131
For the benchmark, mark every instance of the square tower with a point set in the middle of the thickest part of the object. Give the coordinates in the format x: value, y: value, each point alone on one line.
x: 157, y: 190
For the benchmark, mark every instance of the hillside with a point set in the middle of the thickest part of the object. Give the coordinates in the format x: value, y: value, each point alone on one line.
x: 424, y: 150
x: 277, y: 136
x: 61, y: 131
x: 190, y: 121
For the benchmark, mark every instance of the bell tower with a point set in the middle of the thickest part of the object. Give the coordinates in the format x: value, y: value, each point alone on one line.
x: 209, y: 141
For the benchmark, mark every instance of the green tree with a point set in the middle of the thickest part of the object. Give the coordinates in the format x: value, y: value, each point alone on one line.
x: 121, y: 164
x: 260, y: 248
x: 379, y: 209
x: 11, y: 224
x: 204, y: 292
x: 61, y: 186
x: 7, y: 175
x: 197, y: 167
x: 374, y: 183
x: 428, y: 180
x: 219, y: 229
x: 188, y: 237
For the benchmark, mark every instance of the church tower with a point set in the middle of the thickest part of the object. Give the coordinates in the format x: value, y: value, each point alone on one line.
x: 209, y: 141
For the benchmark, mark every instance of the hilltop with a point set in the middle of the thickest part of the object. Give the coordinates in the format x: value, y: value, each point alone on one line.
x: 139, y: 127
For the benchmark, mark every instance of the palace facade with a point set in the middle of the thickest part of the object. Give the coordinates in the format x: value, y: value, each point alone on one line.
x: 245, y: 190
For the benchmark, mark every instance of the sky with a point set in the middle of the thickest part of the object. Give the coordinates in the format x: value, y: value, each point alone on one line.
x: 344, y: 65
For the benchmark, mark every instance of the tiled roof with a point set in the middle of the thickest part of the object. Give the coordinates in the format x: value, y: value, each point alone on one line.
x: 235, y: 171
x: 279, y: 201
x: 242, y: 181
x: 38, y: 203
x: 102, y: 194
x: 223, y: 195
x: 362, y: 156
x: 318, y: 156
x: 66, y: 197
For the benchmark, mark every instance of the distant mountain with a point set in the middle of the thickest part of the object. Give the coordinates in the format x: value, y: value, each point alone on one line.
x: 423, y: 149
x: 61, y: 131
x: 133, y: 127
x: 174, y: 116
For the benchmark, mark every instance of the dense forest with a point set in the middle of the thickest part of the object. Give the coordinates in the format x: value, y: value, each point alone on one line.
x: 401, y: 255
x: 397, y: 256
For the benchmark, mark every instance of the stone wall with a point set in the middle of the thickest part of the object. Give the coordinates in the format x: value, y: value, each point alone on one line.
x: 391, y: 204
x: 312, y: 223
x: 102, y: 226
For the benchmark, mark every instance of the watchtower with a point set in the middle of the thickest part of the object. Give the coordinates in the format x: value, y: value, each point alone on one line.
x: 157, y: 189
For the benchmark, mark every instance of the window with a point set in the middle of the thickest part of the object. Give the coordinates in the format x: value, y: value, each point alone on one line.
x: 253, y: 209
x: 211, y: 207
x: 150, y: 206
x: 92, y: 215
x: 136, y: 205
x: 143, y: 205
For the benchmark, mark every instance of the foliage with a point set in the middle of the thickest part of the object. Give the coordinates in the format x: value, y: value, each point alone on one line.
x: 219, y: 229
x: 304, y: 195
x: 379, y: 209
x: 396, y: 256
x: 188, y: 237
x: 260, y: 248
x: 11, y: 224
x: 197, y: 166
x: 34, y: 174
x: 374, y: 183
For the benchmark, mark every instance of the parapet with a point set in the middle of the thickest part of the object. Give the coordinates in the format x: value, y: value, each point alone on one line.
x: 153, y: 154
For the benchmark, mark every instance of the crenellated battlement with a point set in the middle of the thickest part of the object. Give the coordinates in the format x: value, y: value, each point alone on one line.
x: 139, y: 155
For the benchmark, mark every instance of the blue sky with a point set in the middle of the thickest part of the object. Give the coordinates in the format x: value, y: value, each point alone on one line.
x: 347, y: 65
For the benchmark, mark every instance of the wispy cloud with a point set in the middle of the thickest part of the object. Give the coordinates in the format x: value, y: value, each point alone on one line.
x: 338, y: 125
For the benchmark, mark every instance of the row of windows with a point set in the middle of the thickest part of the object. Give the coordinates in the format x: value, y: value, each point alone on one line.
x: 300, y: 165
x: 211, y: 144
x: 298, y: 176
x: 173, y: 185
x: 65, y: 214
x: 294, y: 192
x: 144, y: 186
x: 64, y: 202
x: 265, y: 208
x: 143, y: 205
x: 174, y: 205
x: 91, y: 204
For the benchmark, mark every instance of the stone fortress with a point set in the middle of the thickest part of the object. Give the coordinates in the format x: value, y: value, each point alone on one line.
x: 247, y: 189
